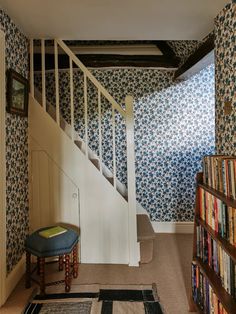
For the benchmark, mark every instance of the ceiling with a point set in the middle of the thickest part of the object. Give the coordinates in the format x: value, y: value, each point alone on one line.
x: 114, y: 19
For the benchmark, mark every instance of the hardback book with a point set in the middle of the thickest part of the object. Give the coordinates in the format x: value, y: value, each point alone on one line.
x: 52, y: 232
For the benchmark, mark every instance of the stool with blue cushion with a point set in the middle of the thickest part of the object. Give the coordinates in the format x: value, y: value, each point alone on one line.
x: 62, y: 246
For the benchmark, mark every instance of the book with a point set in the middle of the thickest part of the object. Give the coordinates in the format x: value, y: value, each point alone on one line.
x: 52, y: 232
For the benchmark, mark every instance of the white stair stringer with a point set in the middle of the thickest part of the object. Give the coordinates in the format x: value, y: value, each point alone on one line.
x: 103, y: 211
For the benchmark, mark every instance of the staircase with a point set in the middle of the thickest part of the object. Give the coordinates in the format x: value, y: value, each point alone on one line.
x: 108, y: 217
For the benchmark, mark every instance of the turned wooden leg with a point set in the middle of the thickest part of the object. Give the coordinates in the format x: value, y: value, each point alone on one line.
x: 75, y: 261
x: 27, y: 273
x: 38, y: 267
x: 42, y: 275
x: 61, y: 262
x: 67, y: 273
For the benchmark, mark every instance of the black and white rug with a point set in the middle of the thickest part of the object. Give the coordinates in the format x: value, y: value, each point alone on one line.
x: 102, y: 301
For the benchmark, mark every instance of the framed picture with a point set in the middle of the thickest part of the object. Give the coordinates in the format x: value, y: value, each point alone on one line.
x: 17, y: 93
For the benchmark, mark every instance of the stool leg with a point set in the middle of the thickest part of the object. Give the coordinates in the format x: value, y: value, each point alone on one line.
x: 75, y: 261
x: 67, y: 273
x: 61, y: 262
x: 27, y: 274
x: 38, y: 267
x: 42, y: 275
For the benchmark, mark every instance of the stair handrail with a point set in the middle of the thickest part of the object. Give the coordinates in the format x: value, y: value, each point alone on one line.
x: 92, y: 78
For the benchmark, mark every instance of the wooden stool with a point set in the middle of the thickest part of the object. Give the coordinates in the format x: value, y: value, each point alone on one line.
x: 62, y: 246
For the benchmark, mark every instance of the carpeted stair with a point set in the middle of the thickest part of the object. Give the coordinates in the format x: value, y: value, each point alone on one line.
x: 146, y: 236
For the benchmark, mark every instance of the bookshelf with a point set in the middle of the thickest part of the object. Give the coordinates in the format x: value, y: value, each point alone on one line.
x: 208, y: 264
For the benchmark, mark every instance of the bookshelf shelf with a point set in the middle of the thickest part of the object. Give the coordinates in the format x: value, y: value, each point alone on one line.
x: 229, y: 248
x: 227, y: 200
x: 226, y: 299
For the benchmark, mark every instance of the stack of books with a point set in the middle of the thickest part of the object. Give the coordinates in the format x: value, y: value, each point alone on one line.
x: 220, y: 217
x: 203, y: 293
x: 211, y: 253
x: 219, y: 172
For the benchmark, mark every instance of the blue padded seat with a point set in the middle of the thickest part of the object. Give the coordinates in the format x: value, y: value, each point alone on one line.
x: 55, y: 246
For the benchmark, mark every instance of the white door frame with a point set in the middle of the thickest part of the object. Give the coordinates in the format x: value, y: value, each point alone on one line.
x: 2, y: 171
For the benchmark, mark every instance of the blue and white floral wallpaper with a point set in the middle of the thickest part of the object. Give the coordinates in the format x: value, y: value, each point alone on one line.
x: 225, y: 61
x: 174, y: 128
x: 16, y: 149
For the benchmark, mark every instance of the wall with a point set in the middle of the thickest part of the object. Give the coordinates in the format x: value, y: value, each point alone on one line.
x: 16, y: 149
x: 225, y: 60
x: 174, y: 128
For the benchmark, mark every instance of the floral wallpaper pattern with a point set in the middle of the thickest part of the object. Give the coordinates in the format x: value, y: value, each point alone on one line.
x: 16, y: 149
x: 174, y: 128
x: 184, y: 48
x: 225, y: 61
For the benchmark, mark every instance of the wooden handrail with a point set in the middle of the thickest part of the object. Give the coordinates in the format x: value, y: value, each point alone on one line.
x: 92, y: 78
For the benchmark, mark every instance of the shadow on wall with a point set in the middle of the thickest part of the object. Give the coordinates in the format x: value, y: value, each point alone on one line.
x: 174, y: 129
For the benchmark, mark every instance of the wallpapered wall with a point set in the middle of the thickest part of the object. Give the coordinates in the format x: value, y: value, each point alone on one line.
x: 174, y: 128
x: 16, y: 149
x: 225, y: 54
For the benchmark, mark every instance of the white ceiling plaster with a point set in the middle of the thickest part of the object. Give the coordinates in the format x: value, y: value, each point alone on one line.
x: 114, y: 19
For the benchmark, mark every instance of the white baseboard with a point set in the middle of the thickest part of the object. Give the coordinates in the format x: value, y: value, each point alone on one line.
x: 173, y: 227
x: 15, y: 275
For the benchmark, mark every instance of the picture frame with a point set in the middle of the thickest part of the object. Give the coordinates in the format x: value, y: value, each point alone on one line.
x: 17, y: 93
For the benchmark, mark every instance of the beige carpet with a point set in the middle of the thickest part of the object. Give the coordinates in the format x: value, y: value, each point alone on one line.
x: 170, y: 270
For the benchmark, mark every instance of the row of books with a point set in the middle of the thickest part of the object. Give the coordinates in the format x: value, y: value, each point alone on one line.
x: 203, y: 294
x: 219, y: 172
x: 213, y: 254
x: 220, y: 217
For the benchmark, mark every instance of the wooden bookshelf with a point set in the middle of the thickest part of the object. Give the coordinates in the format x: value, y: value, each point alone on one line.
x: 227, y: 300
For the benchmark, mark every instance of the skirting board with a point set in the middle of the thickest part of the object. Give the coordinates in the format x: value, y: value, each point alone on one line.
x: 14, y: 277
x: 173, y: 227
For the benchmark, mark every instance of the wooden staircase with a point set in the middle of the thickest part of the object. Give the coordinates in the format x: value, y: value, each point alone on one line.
x: 137, y: 228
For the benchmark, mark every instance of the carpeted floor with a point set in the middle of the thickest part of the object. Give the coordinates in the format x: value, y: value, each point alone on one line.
x: 170, y: 270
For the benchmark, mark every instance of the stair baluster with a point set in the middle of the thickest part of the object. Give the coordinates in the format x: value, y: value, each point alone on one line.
x: 56, y: 83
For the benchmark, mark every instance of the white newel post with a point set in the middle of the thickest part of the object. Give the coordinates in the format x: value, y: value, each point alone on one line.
x: 134, y: 251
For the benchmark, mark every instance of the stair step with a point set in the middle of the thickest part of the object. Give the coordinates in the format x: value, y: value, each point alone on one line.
x: 95, y: 162
x: 146, y: 236
x: 144, y: 228
x: 78, y: 143
x: 110, y: 179
x: 125, y: 197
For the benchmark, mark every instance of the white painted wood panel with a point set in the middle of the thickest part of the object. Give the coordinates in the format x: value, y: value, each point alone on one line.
x: 54, y: 196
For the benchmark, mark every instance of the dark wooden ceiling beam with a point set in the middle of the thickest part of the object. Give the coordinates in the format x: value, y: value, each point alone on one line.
x: 165, y: 48
x: 167, y: 51
x: 106, y: 60
x: 197, y: 56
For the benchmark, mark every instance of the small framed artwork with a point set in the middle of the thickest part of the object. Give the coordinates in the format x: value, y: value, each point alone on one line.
x: 17, y: 93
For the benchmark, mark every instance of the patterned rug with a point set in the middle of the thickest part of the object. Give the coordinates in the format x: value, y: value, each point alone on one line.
x: 113, y: 300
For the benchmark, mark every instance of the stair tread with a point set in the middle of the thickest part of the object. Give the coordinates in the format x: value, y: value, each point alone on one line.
x: 78, y: 143
x: 110, y: 179
x: 144, y: 228
x: 96, y: 162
